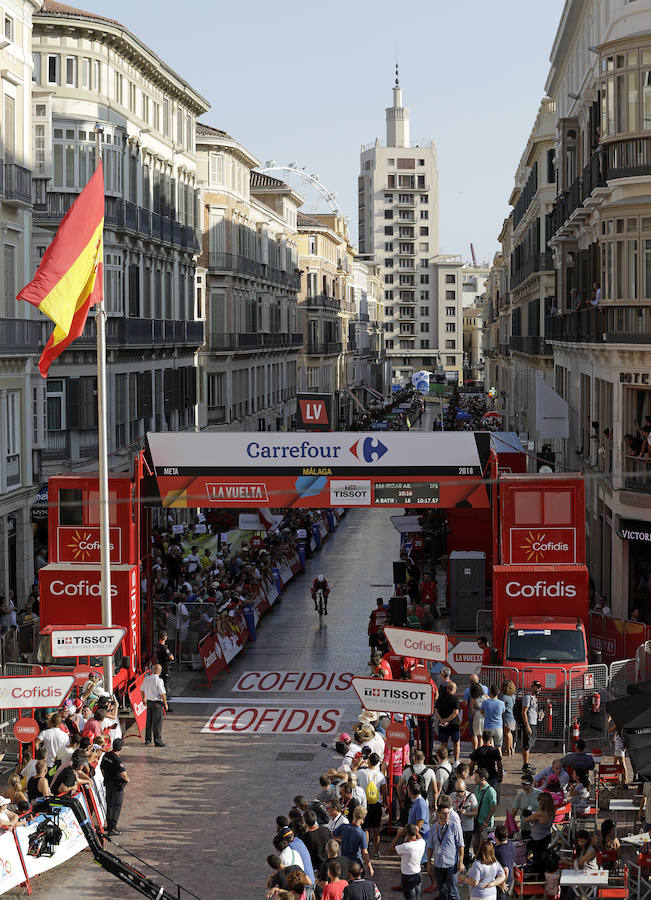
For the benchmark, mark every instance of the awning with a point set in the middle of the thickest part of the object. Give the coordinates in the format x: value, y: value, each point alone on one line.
x: 629, y: 713
x: 363, y: 409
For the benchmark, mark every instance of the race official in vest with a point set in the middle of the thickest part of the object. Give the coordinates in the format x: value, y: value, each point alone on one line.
x: 153, y: 692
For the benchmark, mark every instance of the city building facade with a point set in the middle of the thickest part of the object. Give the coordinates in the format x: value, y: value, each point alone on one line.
x: 327, y: 304
x: 20, y: 336
x: 600, y: 234
x: 398, y: 211
x: 88, y: 69
x: 371, y: 375
x: 248, y: 280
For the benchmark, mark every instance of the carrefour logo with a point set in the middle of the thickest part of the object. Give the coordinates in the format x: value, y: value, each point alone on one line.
x: 369, y: 450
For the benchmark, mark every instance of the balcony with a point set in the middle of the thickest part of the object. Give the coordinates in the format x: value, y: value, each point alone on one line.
x: 637, y: 474
x: 322, y: 300
x: 135, y: 332
x: 51, y: 206
x: 255, y: 340
x: 20, y: 337
x: 628, y: 158
x: 58, y: 445
x: 539, y: 262
x: 16, y: 185
x: 406, y: 200
x: 621, y: 323
x: 243, y: 265
x: 12, y: 470
x: 530, y: 345
x: 321, y: 348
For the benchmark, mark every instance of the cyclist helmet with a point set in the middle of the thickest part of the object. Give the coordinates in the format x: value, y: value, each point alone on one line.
x: 320, y: 577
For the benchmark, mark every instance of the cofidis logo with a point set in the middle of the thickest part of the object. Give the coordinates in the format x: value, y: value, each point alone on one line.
x: 543, y: 545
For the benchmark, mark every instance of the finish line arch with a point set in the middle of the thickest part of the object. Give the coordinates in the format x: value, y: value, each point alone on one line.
x: 315, y: 470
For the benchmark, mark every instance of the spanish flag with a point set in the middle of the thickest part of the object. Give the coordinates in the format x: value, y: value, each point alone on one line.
x: 69, y: 279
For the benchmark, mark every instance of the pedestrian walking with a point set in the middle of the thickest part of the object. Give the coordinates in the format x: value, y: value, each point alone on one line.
x: 115, y: 779
x: 153, y: 692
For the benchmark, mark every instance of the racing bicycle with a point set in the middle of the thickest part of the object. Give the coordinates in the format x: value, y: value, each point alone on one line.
x: 321, y: 603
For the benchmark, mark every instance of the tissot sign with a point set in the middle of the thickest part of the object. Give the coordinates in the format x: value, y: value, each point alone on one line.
x: 331, y: 469
x: 395, y: 696
x: 92, y: 641
x: 34, y: 691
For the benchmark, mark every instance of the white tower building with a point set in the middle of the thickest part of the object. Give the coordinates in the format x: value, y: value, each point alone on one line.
x: 399, y: 232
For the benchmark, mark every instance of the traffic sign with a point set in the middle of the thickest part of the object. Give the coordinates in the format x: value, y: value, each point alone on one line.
x: 397, y: 734
x: 421, y: 644
x: 395, y: 696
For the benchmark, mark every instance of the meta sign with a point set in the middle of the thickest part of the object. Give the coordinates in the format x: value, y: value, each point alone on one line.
x: 92, y: 641
x: 340, y: 469
x: 420, y: 644
x: 395, y: 696
x: 34, y: 691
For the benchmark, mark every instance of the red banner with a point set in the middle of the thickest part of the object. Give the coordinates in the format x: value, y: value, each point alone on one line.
x: 138, y: 705
x: 542, y: 546
x: 212, y: 655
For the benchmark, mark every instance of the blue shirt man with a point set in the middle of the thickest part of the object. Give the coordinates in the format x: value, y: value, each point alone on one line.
x: 493, y: 710
x: 419, y: 811
x: 298, y: 845
x: 445, y: 851
x: 353, y: 841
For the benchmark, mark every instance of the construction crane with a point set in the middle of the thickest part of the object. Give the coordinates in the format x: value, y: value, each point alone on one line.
x: 472, y: 253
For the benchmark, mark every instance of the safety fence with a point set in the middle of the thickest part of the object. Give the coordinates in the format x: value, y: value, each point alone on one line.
x: 615, y: 638
x: 568, y: 696
x: 197, y: 631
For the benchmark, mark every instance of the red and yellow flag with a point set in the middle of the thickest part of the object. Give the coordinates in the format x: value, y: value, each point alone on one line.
x: 69, y: 279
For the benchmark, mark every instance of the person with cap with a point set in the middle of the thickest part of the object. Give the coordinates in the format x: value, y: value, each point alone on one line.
x: 296, y: 844
x: 445, y: 851
x: 526, y: 799
x: 115, y: 778
x: 529, y: 724
x: 153, y: 692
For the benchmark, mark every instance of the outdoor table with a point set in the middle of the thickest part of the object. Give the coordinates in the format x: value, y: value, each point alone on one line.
x: 579, y: 880
x: 637, y: 840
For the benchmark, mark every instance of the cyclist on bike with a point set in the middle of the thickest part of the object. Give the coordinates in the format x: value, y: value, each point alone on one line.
x: 320, y: 584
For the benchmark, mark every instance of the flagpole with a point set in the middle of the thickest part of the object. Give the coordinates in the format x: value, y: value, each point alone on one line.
x: 104, y: 532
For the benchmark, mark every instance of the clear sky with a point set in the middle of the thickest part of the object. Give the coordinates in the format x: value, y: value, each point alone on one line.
x: 308, y: 83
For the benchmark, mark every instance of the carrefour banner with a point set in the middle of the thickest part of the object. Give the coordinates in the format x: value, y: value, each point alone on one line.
x: 335, y: 469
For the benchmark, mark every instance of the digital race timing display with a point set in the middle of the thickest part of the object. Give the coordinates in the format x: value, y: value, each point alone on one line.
x: 406, y: 493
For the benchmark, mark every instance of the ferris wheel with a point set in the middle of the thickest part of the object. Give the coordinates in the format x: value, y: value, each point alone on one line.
x: 305, y: 183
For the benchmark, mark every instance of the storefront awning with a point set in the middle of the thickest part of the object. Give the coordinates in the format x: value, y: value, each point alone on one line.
x: 634, y: 530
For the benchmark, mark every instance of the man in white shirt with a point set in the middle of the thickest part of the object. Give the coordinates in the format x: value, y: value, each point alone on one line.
x: 153, y: 692
x: 53, y: 738
x: 333, y: 808
x: 411, y: 854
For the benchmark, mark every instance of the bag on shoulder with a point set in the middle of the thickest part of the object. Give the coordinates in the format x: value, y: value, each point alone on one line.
x: 517, y: 711
x: 372, y: 793
x: 418, y: 779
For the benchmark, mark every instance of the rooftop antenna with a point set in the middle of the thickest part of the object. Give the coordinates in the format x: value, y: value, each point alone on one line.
x: 397, y: 74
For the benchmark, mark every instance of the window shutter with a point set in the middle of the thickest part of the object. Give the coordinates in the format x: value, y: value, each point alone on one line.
x: 73, y: 402
x: 88, y: 402
x: 145, y: 394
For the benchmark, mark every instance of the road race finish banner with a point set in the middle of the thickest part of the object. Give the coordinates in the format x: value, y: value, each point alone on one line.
x: 34, y: 691
x: 395, y: 696
x: 420, y: 644
x: 336, y: 469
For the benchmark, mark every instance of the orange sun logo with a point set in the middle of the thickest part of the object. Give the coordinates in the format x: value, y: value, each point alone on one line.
x: 531, y: 540
x: 75, y: 546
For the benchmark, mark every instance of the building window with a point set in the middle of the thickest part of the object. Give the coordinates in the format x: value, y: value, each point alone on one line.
x: 388, y: 311
x: 424, y: 310
x: 391, y: 181
x: 71, y: 71
x: 423, y: 247
x: 97, y: 75
x: 388, y: 246
x: 118, y: 86
x: 450, y: 295
x: 10, y: 280
x: 389, y: 344
x: 424, y: 279
x: 391, y: 162
x: 450, y: 361
x: 166, y: 118
x: 388, y: 279
x: 424, y: 326
x: 424, y: 214
x: 424, y: 344
x: 155, y: 108
x: 388, y: 213
x: 9, y: 28
x: 145, y: 107
x: 56, y: 404
x: 53, y: 68
x: 424, y: 230
x: 85, y: 73
x: 450, y: 345
x: 421, y: 162
x: 388, y: 230
x: 388, y: 198
x: 424, y: 295
x: 450, y: 326
x: 216, y: 175
x: 450, y: 279
x: 113, y: 282
x: 424, y: 198
x: 36, y: 70
x: 450, y: 310
x: 132, y: 97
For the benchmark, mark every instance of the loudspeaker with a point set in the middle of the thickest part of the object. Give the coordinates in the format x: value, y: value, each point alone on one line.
x: 398, y: 610
x: 400, y: 572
